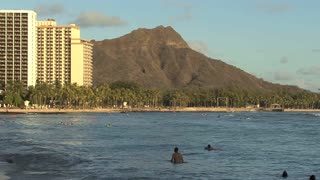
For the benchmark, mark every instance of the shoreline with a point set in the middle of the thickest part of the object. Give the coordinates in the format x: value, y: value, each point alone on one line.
x: 111, y: 110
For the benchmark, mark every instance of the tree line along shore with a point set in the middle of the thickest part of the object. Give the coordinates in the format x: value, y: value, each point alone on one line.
x: 118, y: 110
x: 128, y: 96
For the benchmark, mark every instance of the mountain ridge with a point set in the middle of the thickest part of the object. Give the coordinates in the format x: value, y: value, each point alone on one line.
x: 161, y: 58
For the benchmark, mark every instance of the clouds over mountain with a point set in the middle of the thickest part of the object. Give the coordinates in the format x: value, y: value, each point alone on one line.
x: 307, y: 84
x: 273, y: 7
x: 284, y: 60
x: 283, y: 76
x: 199, y: 46
x: 49, y: 9
x: 183, y: 7
x: 84, y: 19
x: 312, y: 71
x: 97, y: 19
x: 185, y: 15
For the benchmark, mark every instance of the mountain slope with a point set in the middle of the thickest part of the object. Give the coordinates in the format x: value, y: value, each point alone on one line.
x: 160, y: 58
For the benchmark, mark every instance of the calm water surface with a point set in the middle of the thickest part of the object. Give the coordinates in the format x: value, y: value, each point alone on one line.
x: 255, y: 145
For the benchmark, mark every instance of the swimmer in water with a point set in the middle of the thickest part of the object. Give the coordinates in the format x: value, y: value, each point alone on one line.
x: 284, y: 174
x: 209, y: 148
x: 312, y: 177
x: 176, y: 156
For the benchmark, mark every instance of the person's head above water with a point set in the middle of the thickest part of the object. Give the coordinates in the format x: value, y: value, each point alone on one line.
x: 284, y: 174
x: 209, y: 146
x: 176, y: 149
x: 312, y: 177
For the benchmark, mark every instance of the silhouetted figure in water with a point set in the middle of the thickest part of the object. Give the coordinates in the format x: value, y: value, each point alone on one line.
x: 9, y: 161
x: 312, y: 177
x: 209, y: 148
x: 176, y: 156
x: 284, y: 174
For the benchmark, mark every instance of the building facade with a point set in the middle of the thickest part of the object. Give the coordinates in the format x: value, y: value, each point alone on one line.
x: 81, y: 62
x: 32, y: 51
x: 62, y: 55
x: 18, y: 46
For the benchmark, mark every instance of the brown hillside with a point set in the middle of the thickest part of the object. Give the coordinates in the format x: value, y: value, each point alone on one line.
x: 160, y: 58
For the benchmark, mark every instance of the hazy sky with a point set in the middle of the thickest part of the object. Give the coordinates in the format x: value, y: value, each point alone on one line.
x: 277, y: 40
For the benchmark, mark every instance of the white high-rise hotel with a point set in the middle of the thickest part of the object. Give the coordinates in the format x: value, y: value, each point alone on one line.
x: 18, y: 46
x: 32, y: 50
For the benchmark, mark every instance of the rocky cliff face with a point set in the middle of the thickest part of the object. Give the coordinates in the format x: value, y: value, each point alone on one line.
x: 160, y: 58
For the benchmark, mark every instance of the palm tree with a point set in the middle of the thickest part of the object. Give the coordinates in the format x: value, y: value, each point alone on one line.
x: 15, y: 92
x: 68, y: 94
x: 57, y: 91
x: 102, y: 94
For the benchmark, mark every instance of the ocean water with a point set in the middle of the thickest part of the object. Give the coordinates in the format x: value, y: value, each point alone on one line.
x: 250, y: 145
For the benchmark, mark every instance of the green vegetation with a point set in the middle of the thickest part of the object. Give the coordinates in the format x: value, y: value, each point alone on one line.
x: 115, y: 94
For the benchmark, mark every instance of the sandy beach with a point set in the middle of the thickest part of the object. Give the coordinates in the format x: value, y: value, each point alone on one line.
x: 186, y: 109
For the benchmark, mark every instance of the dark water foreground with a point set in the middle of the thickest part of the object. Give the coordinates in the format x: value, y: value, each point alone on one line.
x: 256, y: 145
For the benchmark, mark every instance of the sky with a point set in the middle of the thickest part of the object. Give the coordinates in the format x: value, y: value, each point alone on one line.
x: 276, y: 40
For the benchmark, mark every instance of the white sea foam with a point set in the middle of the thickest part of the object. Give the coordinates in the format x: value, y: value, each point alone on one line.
x: 316, y: 114
x: 3, y: 177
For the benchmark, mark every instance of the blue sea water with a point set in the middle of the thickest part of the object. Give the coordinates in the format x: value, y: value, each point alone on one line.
x: 251, y: 145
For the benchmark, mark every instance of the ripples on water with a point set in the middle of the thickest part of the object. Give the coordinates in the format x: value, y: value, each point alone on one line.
x: 255, y: 145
